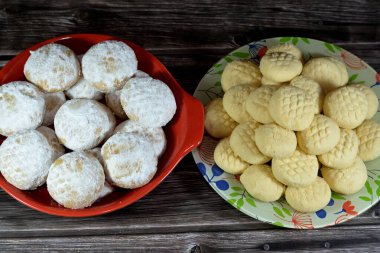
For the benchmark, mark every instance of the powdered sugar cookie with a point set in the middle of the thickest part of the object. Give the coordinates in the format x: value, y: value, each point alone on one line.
x: 155, y: 135
x: 49, y: 134
x: 234, y: 102
x: 298, y: 170
x: 369, y: 137
x: 84, y: 89
x: 259, y: 181
x: 310, y: 198
x: 22, y: 107
x: 291, y: 108
x: 25, y: 159
x: 348, y: 106
x: 287, y: 48
x: 240, y: 72
x: 53, y: 100
x: 75, y: 180
x: 108, y: 64
x: 344, y: 153
x: 373, y: 102
x: 348, y: 180
x: 275, y: 141
x: 266, y: 81
x: 327, y: 71
x: 257, y: 103
x: 107, y: 189
x: 113, y: 102
x: 218, y: 123
x: 130, y: 160
x: 52, y: 67
x: 243, y: 144
x: 227, y: 160
x: 148, y: 101
x: 140, y: 73
x: 320, y: 137
x: 280, y: 66
x: 312, y: 88
x: 83, y: 123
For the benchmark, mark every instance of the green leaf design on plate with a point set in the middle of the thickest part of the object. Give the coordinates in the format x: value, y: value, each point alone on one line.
x: 377, y: 182
x: 287, y: 211
x: 278, y: 211
x: 236, y: 188
x: 219, y: 72
x: 240, y: 203
x: 240, y: 54
x: 335, y: 195
x: 295, y: 40
x: 234, y: 194
x: 337, y: 48
x: 365, y: 198
x: 353, y: 77
x: 369, y: 188
x: 218, y: 84
x: 329, y: 47
x: 217, y: 65
x: 277, y: 223
x: 251, y: 202
x: 227, y: 59
x: 231, y: 201
x: 378, y: 191
x: 306, y: 40
x: 285, y: 39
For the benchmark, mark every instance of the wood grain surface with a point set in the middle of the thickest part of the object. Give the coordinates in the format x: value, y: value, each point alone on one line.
x: 184, y: 214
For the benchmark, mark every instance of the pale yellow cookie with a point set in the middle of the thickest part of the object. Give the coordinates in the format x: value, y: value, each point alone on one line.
x: 243, y: 144
x: 234, y: 102
x: 266, y: 81
x: 298, y: 170
x: 344, y: 153
x: 320, y: 137
x: 369, y: 137
x: 346, y: 181
x: 287, y: 48
x: 240, y: 72
x: 275, y: 141
x: 280, y: 66
x: 226, y: 159
x: 327, y: 71
x: 218, y: 123
x: 310, y: 198
x: 348, y: 106
x: 373, y: 102
x: 257, y: 103
x: 313, y: 88
x: 259, y: 181
x: 291, y: 108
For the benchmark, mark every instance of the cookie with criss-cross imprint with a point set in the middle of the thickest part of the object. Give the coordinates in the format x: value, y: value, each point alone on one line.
x: 130, y: 160
x: 148, y: 101
x: 75, y: 180
x: 108, y: 64
x: 310, y: 198
x: 22, y: 107
x: 373, y: 102
x: 347, y: 181
x: 52, y: 67
x: 298, y: 170
x: 287, y: 48
x: 53, y: 101
x: 240, y: 72
x: 52, y: 138
x: 258, y: 101
x: 234, y: 102
x: 227, y: 160
x: 259, y: 181
x: 348, y: 106
x: 84, y: 89
x: 369, y: 137
x: 311, y: 87
x: 344, y: 153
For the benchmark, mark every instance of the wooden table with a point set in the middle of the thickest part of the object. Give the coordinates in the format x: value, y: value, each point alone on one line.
x: 184, y: 214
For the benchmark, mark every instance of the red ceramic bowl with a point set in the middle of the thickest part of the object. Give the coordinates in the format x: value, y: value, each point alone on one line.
x: 183, y: 133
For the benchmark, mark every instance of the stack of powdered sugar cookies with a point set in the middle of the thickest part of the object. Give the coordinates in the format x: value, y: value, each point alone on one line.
x: 60, y: 131
x: 293, y: 128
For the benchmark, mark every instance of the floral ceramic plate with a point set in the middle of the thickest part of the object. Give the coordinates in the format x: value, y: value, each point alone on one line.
x: 340, y: 208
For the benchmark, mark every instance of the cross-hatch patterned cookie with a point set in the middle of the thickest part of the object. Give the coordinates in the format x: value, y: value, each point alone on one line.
x: 287, y: 48
x: 257, y: 103
x: 369, y: 137
x: 234, y: 102
x: 373, y: 102
x: 227, y: 160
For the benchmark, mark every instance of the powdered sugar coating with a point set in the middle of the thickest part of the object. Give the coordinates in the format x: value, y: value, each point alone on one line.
x: 113, y: 102
x: 22, y: 107
x: 140, y: 74
x: 83, y: 123
x: 25, y: 159
x: 49, y: 134
x: 52, y: 67
x: 84, y: 89
x: 107, y: 189
x: 53, y: 100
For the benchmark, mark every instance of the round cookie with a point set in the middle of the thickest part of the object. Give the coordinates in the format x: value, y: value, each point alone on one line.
x: 53, y: 100
x: 287, y: 48
x: 234, y: 102
x: 258, y: 101
x: 52, y: 67
x: 344, y: 153
x: 227, y: 160
x: 113, y: 102
x: 346, y: 181
x: 148, y: 101
x: 108, y: 64
x: 280, y: 66
x: 240, y: 72
x: 140, y: 73
x: 243, y: 143
x: 266, y: 81
x: 291, y: 108
x: 218, y: 123
x: 22, y: 107
x: 312, y: 88
x: 320, y: 137
x: 25, y: 159
x: 49, y: 134
x: 310, y: 198
x: 155, y: 135
x: 75, y: 180
x: 275, y: 141
x: 96, y: 152
x: 259, y: 181
x: 369, y: 138
x: 373, y: 102
x: 84, y: 89
x: 107, y: 189
x: 130, y: 160
x: 348, y: 106
x: 297, y: 170
x: 327, y: 71
x: 83, y: 123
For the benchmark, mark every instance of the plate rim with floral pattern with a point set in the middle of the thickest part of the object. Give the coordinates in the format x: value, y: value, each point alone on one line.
x: 341, y: 208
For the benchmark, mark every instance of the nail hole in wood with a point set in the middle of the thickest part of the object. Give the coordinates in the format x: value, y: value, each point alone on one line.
x: 266, y: 246
x: 195, y: 249
x: 327, y: 245
x: 376, y: 214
